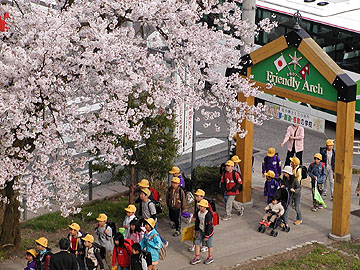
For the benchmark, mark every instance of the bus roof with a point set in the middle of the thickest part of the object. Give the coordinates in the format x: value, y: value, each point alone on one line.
x: 343, y: 14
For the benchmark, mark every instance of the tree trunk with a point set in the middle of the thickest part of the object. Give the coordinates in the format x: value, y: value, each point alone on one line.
x: 9, y: 218
x: 132, y: 185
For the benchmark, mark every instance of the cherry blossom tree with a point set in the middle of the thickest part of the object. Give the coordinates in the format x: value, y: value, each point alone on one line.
x: 67, y: 74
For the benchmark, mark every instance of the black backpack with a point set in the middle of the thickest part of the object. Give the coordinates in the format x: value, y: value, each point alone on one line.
x: 147, y: 257
x: 158, y: 206
x: 102, y: 250
x: 222, y: 168
x: 112, y: 225
x: 304, y: 172
x: 212, y: 203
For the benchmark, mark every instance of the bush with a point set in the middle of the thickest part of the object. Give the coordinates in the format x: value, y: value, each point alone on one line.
x: 208, y: 179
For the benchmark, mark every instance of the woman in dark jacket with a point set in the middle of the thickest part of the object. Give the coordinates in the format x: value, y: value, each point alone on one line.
x: 292, y: 185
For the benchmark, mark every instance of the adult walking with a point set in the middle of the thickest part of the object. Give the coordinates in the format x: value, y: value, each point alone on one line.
x: 63, y: 260
x: 295, y: 138
x: 292, y: 185
x: 328, y: 157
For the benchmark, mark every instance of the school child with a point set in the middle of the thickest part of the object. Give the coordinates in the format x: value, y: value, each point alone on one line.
x: 43, y: 258
x: 121, y: 253
x: 272, y: 210
x: 151, y: 242
x: 236, y: 161
x: 199, y: 195
x: 317, y: 173
x: 136, y: 232
x: 92, y: 254
x: 30, y: 257
x: 297, y: 170
x: 175, y: 171
x: 104, y: 237
x: 271, y: 185
x: 138, y: 261
x: 271, y: 162
x: 231, y: 183
x: 130, y: 215
x: 76, y: 244
x: 204, y: 231
x: 176, y: 202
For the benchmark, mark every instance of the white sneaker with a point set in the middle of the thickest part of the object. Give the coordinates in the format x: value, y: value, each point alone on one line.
x: 204, y: 249
x: 191, y: 249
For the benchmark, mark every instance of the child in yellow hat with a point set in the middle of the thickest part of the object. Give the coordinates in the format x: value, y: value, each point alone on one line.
x: 30, y: 257
x: 130, y: 215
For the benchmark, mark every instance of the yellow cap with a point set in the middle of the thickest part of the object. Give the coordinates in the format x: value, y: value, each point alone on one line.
x: 270, y: 173
x: 151, y: 222
x: 146, y: 191
x: 102, y: 217
x: 203, y: 203
x: 131, y: 208
x: 235, y: 159
x: 144, y: 183
x: 229, y: 163
x: 175, y: 180
x: 174, y: 170
x: 329, y: 142
x: 318, y: 155
x: 42, y: 241
x: 271, y: 152
x: 74, y: 226
x: 32, y: 252
x: 295, y: 160
x: 88, y: 238
x: 200, y: 192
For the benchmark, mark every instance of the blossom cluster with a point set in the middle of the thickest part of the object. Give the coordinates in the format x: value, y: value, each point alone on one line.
x: 67, y: 76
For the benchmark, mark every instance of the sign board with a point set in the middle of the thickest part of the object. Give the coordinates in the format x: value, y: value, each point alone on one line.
x: 291, y: 70
x: 184, y: 127
x: 292, y: 116
x: 179, y: 130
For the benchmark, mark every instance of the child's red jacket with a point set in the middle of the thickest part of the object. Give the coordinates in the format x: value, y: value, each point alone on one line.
x: 122, y: 255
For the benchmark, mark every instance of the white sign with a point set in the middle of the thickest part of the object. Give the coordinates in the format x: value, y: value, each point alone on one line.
x: 179, y: 130
x: 184, y: 127
x: 295, y: 117
x: 189, y: 122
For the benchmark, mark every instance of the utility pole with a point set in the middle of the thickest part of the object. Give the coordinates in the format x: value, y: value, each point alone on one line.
x: 248, y: 14
x: 244, y: 147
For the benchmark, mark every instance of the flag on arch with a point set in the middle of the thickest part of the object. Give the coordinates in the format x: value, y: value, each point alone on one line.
x: 305, y: 70
x: 280, y: 63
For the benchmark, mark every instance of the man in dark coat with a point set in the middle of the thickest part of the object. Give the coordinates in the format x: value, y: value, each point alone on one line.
x: 63, y: 260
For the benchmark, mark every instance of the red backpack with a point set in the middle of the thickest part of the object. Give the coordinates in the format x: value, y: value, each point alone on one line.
x: 155, y: 194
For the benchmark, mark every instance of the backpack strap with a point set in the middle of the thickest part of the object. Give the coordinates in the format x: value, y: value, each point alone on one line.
x: 129, y: 244
x: 47, y: 262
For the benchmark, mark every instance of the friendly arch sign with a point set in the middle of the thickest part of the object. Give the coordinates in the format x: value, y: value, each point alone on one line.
x: 294, y: 66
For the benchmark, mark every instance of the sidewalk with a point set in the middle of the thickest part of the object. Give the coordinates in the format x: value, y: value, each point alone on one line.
x: 237, y: 240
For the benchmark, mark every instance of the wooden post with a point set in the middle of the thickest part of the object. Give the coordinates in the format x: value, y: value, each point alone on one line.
x: 244, y: 149
x: 343, y: 170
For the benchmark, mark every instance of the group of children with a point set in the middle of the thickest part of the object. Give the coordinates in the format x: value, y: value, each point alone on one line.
x: 321, y: 172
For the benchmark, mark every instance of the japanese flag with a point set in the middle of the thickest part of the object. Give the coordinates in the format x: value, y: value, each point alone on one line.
x: 280, y: 63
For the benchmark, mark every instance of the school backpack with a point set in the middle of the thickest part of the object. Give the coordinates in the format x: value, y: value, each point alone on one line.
x: 102, y: 250
x: 222, y: 168
x: 147, y: 256
x: 158, y: 207
x: 112, y: 225
x: 215, y: 215
x: 304, y: 172
x: 155, y: 194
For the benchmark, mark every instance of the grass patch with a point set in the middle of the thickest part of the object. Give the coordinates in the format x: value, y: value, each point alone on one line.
x: 48, y: 222
x: 319, y: 258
